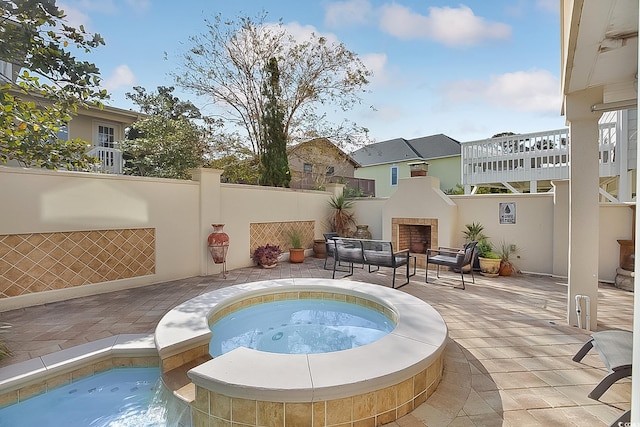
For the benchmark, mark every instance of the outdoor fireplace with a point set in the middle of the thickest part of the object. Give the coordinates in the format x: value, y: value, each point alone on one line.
x: 415, y: 234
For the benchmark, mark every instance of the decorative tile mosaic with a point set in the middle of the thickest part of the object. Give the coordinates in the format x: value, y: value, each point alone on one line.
x: 46, y: 261
x: 275, y: 233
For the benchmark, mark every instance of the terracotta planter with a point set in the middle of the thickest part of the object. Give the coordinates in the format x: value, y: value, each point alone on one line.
x: 296, y: 255
x: 506, y: 269
x: 218, y: 243
x: 319, y: 249
x: 489, y: 267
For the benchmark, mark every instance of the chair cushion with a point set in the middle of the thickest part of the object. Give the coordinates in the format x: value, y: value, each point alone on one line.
x: 349, y: 254
x: 378, y: 258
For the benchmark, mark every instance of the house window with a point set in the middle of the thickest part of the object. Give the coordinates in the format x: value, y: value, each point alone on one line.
x: 330, y: 170
x: 106, y: 136
x: 394, y: 175
x: 308, y: 168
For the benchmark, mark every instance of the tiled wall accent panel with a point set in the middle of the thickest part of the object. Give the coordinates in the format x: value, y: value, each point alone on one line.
x: 275, y: 233
x: 46, y: 261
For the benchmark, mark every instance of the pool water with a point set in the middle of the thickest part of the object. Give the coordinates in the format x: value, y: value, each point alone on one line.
x: 302, y: 326
x: 123, y: 397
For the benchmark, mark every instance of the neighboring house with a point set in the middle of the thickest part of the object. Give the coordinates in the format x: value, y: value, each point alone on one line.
x: 102, y: 127
x: 387, y: 162
x: 316, y: 162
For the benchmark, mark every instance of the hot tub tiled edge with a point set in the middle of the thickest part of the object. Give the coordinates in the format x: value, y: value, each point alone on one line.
x: 394, y: 391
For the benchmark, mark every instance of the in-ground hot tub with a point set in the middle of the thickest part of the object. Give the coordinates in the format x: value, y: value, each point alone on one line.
x: 375, y: 383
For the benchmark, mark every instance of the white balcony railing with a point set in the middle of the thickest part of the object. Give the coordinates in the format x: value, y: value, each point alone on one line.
x: 110, y: 159
x: 531, y: 157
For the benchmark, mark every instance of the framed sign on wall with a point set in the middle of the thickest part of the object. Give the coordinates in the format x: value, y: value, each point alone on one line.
x: 508, y: 213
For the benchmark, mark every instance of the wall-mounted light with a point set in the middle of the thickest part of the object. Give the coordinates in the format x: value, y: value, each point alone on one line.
x: 614, y: 106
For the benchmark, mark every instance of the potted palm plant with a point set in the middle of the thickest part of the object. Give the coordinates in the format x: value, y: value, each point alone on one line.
x: 474, y: 232
x: 296, y: 251
x: 341, y: 218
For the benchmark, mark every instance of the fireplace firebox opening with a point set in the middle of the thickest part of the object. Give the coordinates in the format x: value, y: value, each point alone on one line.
x: 415, y: 234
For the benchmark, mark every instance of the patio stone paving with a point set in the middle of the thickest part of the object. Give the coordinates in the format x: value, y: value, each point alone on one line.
x: 508, y: 358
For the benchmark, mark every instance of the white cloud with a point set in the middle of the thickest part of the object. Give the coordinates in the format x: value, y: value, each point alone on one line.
x: 75, y: 18
x: 121, y: 76
x: 530, y: 91
x: 348, y: 12
x: 376, y: 63
x: 447, y: 25
x: 304, y: 32
x: 535, y: 91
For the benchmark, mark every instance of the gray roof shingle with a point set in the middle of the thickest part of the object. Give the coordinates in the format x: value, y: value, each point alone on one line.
x: 402, y: 150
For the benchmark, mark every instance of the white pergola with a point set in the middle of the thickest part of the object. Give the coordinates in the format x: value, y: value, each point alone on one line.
x: 599, y: 59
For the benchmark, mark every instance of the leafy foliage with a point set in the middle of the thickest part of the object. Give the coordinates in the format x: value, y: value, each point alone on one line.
x: 485, y: 249
x: 274, y: 164
x: 36, y: 103
x: 168, y: 143
x: 474, y: 231
x: 163, y: 148
x: 227, y: 64
x: 238, y: 163
x: 163, y: 103
x: 267, y: 254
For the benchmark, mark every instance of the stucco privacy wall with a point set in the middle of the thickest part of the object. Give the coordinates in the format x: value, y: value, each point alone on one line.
x: 540, y: 230
x: 245, y: 204
x: 180, y: 213
x: 40, y: 201
x: 532, y: 232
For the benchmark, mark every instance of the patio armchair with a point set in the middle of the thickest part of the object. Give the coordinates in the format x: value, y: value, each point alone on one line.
x: 454, y: 258
x: 330, y: 246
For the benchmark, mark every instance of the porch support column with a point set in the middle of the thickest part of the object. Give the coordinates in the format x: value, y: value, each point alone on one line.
x: 584, y: 176
x: 210, y: 213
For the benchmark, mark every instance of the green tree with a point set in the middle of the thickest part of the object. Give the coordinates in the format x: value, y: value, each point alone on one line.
x: 163, y: 103
x: 238, y: 163
x: 274, y: 165
x: 46, y: 85
x: 168, y: 143
x: 227, y: 64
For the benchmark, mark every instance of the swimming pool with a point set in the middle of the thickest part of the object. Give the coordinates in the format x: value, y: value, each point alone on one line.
x: 122, y: 397
x: 303, y: 326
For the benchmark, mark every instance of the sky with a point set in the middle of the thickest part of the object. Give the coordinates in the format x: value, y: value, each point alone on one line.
x: 467, y: 69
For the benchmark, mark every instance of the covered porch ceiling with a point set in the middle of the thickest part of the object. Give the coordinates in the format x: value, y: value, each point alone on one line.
x: 600, y: 49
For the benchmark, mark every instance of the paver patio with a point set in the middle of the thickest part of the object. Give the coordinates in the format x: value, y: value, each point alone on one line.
x: 508, y: 359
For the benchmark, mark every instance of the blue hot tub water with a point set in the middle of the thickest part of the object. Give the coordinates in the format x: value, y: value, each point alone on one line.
x: 301, y: 326
x: 122, y: 397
